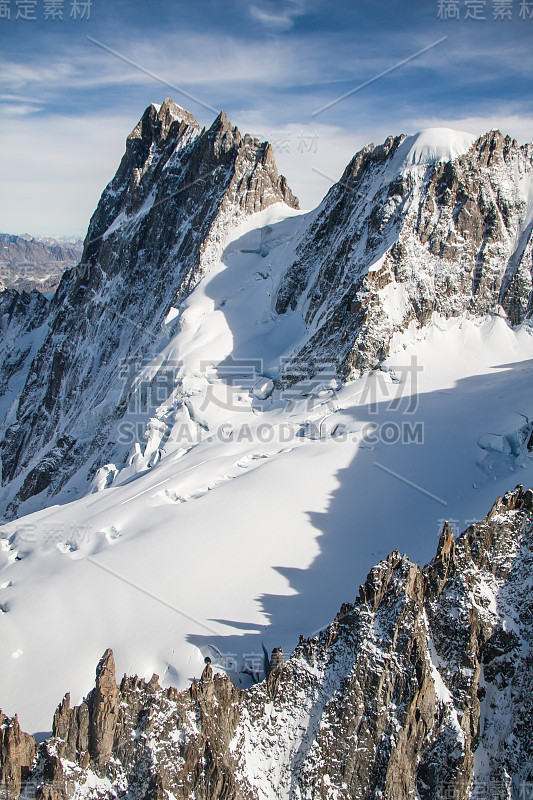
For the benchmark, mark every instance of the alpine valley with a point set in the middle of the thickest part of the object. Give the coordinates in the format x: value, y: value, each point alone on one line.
x: 238, y: 431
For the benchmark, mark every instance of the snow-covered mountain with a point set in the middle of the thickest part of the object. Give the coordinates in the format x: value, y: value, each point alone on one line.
x: 155, y: 231
x: 419, y: 688
x: 197, y: 459
x: 436, y: 222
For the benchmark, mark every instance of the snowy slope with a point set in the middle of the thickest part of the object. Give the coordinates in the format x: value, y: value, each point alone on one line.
x: 241, y: 520
x: 219, y: 508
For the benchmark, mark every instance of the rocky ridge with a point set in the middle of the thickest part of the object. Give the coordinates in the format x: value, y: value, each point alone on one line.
x: 420, y: 688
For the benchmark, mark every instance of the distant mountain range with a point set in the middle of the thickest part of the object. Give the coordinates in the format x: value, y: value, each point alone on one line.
x: 28, y: 262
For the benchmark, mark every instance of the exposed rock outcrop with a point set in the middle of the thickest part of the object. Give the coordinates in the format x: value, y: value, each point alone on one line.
x: 275, y: 670
x: 17, y: 753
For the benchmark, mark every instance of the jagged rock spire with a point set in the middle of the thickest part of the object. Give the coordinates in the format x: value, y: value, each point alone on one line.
x: 103, y: 709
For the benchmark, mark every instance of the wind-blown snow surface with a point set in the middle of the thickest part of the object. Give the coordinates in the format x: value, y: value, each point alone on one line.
x: 241, y: 520
x: 431, y: 146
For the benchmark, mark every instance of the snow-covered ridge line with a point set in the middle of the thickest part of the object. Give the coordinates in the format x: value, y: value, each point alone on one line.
x: 432, y: 145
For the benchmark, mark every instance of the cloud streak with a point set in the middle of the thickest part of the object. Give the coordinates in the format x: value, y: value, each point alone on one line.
x: 281, y: 17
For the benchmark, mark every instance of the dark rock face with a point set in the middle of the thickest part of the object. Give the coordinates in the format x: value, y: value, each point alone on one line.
x: 419, y: 688
x: 23, y: 317
x: 24, y: 311
x: 17, y: 754
x: 43, y: 474
x: 275, y: 671
x: 178, y: 189
x: 391, y: 245
x: 104, y: 708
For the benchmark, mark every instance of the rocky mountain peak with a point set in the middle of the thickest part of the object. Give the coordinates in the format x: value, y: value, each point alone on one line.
x: 171, y: 112
x: 104, y: 709
x: 221, y: 138
x: 222, y: 123
x: 493, y: 148
x: 157, y: 121
x: 17, y: 754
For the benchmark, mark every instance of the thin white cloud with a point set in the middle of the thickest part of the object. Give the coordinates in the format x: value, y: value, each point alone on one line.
x: 10, y: 97
x: 280, y: 21
x: 223, y: 70
x: 18, y: 75
x: 279, y: 17
x: 269, y: 86
x: 18, y: 109
x: 199, y: 60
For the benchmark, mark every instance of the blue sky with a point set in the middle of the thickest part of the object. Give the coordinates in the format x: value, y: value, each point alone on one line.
x: 67, y: 104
